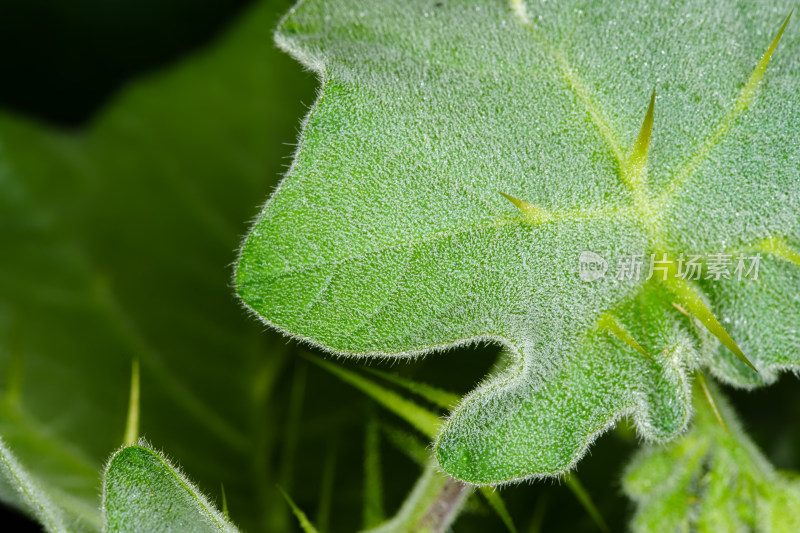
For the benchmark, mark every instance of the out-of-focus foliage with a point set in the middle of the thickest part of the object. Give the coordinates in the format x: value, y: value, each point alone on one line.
x: 116, y: 244
x: 23, y: 492
x: 710, y: 480
x: 62, y: 60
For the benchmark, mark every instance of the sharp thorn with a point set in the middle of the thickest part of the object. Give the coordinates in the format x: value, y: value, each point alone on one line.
x: 710, y: 399
x: 642, y: 146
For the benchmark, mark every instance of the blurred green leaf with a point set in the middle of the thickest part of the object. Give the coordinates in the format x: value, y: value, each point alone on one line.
x: 432, y: 490
x: 117, y: 245
x: 577, y: 489
x: 431, y: 506
x: 435, y: 395
x: 20, y: 489
x: 711, y: 480
x: 326, y: 487
x: 499, y: 506
x: 144, y: 493
x: 372, y: 513
x: 407, y: 443
x: 422, y: 419
x: 305, y: 523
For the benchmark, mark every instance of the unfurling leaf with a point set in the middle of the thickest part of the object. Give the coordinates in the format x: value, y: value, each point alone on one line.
x: 388, y: 236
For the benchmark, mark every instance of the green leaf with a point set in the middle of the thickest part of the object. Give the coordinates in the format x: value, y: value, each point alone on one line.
x: 305, y: 523
x: 423, y: 420
x: 577, y: 489
x: 439, y: 397
x: 132, y: 424
x: 499, y: 507
x: 372, y: 511
x: 326, y: 487
x: 711, y: 480
x: 21, y: 490
x: 143, y: 492
x: 535, y: 524
x: 292, y: 426
x: 426, y: 422
x: 117, y: 244
x: 407, y: 443
x: 460, y: 161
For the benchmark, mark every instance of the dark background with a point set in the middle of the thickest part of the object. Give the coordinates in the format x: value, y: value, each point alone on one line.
x: 61, y: 61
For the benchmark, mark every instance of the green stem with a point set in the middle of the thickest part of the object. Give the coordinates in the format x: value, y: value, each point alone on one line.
x: 433, y: 505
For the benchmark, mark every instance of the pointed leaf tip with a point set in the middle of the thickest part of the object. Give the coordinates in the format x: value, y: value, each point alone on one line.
x: 442, y: 398
x: 499, y: 506
x: 521, y: 205
x: 422, y: 419
x: 610, y: 323
x: 302, y: 519
x: 224, y: 501
x: 143, y: 491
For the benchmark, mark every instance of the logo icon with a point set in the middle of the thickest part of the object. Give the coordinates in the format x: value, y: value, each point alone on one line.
x: 591, y: 266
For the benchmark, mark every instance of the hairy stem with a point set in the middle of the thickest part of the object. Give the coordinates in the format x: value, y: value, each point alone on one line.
x: 432, y: 506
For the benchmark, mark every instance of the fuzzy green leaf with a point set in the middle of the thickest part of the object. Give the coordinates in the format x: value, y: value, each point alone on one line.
x: 711, y: 480
x: 460, y: 161
x: 143, y: 492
